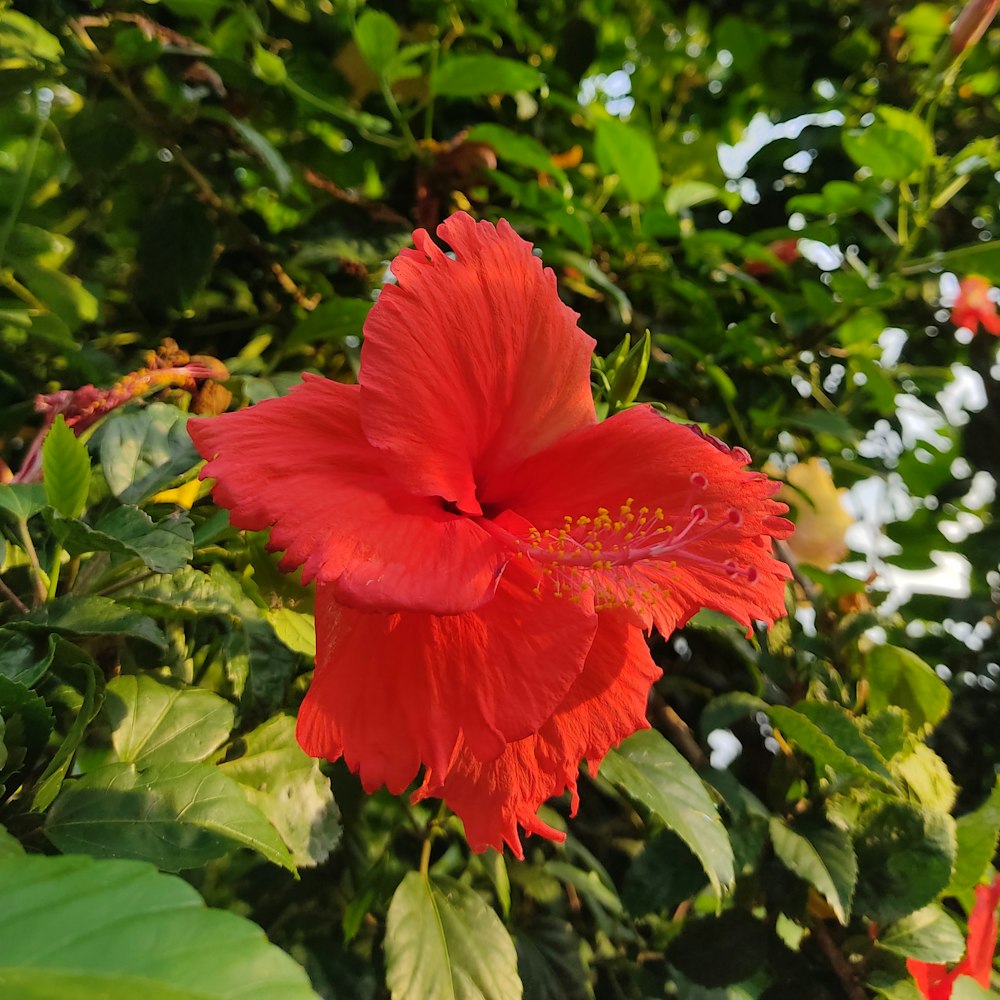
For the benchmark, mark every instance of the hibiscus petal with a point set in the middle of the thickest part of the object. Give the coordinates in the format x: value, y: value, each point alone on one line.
x: 392, y: 692
x: 470, y: 364
x: 302, y: 464
x: 651, y: 515
x: 978, y: 961
x: 606, y: 704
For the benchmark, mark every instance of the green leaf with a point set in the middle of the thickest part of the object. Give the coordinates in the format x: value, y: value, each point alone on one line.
x: 514, y: 147
x: 91, y: 616
x: 289, y: 788
x: 822, y: 856
x: 154, y: 723
x: 905, y: 857
x: 648, y: 769
x: 73, y: 661
x: 928, y: 777
x: 257, y: 663
x: 889, y: 153
x: 662, y: 875
x: 628, y: 151
x: 377, y: 36
x: 696, y: 950
x: 176, y: 249
x: 977, y: 835
x: 898, y: 677
x: 906, y: 121
x: 474, y: 75
x: 589, y: 884
x: 687, y: 194
x: 443, y: 941
x: 164, y: 546
x: 24, y: 43
x: 27, y: 718
x: 269, y: 66
x: 295, y: 629
x: 65, y: 469
x: 142, y: 451
x: 548, y: 959
x: 24, y: 658
x: 186, y: 594
x: 629, y: 374
x: 57, y: 916
x: 929, y: 935
x: 10, y: 846
x: 23, y: 500
x: 331, y: 320
x: 832, y: 738
x: 175, y: 815
x: 267, y: 152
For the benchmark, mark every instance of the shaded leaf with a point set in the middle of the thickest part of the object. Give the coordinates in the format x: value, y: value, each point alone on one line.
x: 24, y: 658
x: 549, y: 962
x: 905, y: 856
x: 74, y: 662
x: 823, y: 856
x: 696, y: 950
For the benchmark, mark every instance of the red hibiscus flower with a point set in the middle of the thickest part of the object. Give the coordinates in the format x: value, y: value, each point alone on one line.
x: 487, y: 554
x: 974, y: 306
x: 935, y: 982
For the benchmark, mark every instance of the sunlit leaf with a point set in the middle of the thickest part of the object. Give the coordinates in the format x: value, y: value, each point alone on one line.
x: 58, y: 914
x: 652, y: 772
x: 443, y: 941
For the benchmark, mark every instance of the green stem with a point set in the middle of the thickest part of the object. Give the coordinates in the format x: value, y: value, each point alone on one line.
x: 38, y: 575
x: 397, y: 114
x: 425, y: 856
x: 54, y: 573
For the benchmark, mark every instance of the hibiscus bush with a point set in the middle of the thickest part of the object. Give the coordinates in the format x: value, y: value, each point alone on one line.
x: 399, y: 408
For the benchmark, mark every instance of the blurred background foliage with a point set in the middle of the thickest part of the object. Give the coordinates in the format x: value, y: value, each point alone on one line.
x: 784, y: 196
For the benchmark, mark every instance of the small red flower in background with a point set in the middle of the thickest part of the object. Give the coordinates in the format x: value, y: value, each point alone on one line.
x: 935, y: 982
x: 974, y: 306
x: 786, y: 251
x: 487, y: 554
x: 169, y: 366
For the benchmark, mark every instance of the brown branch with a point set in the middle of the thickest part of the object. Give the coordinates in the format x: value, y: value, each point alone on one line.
x: 846, y: 973
x: 13, y: 598
x: 666, y: 719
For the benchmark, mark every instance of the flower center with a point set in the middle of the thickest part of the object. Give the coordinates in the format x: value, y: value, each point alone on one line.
x: 631, y: 557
